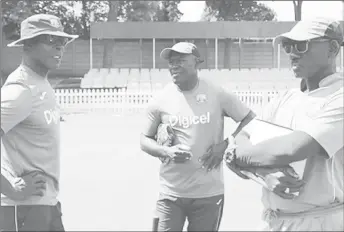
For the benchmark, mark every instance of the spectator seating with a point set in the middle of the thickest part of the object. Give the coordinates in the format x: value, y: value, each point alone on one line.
x: 153, y: 79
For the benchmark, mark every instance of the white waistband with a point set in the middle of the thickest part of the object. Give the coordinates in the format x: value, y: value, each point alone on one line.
x: 270, y: 214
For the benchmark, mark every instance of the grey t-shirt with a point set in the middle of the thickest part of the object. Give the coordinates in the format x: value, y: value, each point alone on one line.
x: 30, y: 119
x: 197, y: 118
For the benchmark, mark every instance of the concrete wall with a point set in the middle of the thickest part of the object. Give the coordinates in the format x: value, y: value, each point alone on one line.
x: 131, y: 53
x: 183, y: 30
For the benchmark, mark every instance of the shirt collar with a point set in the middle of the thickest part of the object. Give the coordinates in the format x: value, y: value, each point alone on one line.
x: 331, y: 79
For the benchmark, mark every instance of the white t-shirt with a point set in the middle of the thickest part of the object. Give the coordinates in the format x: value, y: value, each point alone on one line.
x: 318, y: 113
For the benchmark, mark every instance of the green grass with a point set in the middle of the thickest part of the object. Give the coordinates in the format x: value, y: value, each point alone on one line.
x: 107, y: 183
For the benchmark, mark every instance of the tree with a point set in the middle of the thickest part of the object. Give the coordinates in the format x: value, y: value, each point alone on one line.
x: 90, y: 11
x: 222, y: 10
x: 168, y: 11
x: 60, y: 9
x: 126, y: 11
x: 73, y: 22
x: 1, y: 22
x: 297, y: 9
x: 138, y: 11
x: 113, y: 12
x: 15, y: 11
x: 78, y: 22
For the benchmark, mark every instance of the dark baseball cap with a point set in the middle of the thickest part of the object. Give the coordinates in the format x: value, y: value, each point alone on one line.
x: 41, y: 24
x: 312, y: 29
x: 183, y: 48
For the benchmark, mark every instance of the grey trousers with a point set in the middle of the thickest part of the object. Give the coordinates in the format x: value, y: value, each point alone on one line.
x: 31, y: 218
x: 203, y: 214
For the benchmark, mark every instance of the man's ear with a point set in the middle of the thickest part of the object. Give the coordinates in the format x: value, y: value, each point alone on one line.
x: 197, y: 62
x: 334, y: 47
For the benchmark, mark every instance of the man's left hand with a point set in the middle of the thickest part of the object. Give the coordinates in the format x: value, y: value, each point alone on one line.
x: 214, y: 156
x: 284, y: 182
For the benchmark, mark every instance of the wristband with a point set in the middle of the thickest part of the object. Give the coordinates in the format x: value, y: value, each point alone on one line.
x: 231, y: 145
x: 232, y: 158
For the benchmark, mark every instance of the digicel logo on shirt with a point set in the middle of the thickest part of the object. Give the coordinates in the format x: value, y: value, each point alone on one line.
x: 52, y: 115
x: 187, y: 121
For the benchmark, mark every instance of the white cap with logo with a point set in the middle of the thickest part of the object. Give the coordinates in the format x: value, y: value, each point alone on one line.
x: 318, y: 28
x: 183, y: 48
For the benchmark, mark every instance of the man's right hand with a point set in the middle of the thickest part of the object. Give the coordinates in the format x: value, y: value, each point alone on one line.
x: 32, y: 184
x: 179, y: 153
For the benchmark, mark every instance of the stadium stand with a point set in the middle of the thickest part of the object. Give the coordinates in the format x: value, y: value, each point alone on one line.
x: 152, y: 79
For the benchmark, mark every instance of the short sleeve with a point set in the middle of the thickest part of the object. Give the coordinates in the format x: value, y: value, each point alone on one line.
x: 269, y: 109
x: 232, y: 106
x: 326, y: 125
x: 152, y: 118
x: 16, y: 105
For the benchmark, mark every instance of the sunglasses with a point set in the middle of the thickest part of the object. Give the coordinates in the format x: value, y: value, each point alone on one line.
x: 299, y: 46
x: 53, y: 40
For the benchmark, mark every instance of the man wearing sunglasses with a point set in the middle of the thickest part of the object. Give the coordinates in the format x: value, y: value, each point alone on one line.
x: 30, y: 154
x: 316, y: 116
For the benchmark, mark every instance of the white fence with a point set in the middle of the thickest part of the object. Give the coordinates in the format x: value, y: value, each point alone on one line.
x: 92, y: 100
x: 254, y: 87
x: 123, y: 101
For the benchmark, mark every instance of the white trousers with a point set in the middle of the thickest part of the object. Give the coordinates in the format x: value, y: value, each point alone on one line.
x: 325, y: 219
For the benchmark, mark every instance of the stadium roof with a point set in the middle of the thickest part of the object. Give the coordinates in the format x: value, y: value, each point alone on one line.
x: 189, y: 30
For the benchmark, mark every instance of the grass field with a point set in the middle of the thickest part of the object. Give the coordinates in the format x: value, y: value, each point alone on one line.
x: 109, y: 184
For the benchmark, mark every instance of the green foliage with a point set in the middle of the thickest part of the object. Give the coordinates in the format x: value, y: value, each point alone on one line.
x: 13, y: 12
x: 222, y: 10
x: 76, y: 16
x: 136, y: 11
x: 168, y: 12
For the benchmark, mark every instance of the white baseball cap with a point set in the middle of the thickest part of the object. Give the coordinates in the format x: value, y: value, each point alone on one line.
x: 312, y: 29
x: 183, y: 48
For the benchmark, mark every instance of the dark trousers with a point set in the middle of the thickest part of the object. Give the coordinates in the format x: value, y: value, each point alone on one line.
x: 203, y: 214
x: 31, y: 218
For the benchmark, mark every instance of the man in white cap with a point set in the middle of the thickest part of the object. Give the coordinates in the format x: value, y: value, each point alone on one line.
x: 194, y: 109
x: 30, y: 156
x: 316, y: 116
